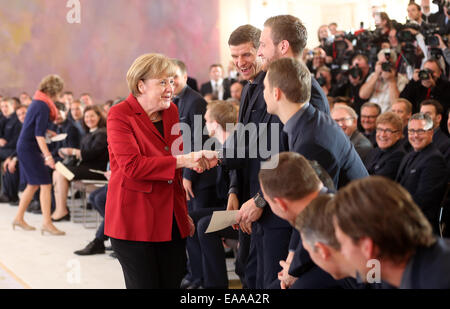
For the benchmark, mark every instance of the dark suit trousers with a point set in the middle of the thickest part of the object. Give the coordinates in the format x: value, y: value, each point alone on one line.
x: 214, y: 264
x: 152, y: 265
x: 11, y: 183
x: 98, y: 200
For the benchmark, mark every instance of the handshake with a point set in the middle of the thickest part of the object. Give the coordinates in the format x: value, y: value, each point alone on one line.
x: 199, y: 161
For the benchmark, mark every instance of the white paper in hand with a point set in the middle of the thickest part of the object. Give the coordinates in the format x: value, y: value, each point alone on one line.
x: 59, y: 137
x: 222, y: 219
x: 64, y: 171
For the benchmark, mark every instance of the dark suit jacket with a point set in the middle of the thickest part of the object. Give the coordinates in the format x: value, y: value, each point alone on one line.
x: 207, y: 88
x: 192, y: 82
x: 385, y: 162
x: 442, y: 142
x: 425, y: 178
x: 362, y: 145
x: 316, y: 136
x: 318, y: 98
x: 191, y: 110
x: 245, y: 179
x: 428, y: 268
x: 11, y: 131
x: 145, y: 192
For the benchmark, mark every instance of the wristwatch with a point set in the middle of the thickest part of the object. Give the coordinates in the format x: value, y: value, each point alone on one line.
x: 259, y: 201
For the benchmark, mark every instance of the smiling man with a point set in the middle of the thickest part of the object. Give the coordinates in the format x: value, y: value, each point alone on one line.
x: 423, y: 172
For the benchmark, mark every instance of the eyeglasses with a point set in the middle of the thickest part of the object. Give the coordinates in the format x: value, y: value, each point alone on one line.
x: 345, y: 120
x: 387, y: 131
x: 418, y: 132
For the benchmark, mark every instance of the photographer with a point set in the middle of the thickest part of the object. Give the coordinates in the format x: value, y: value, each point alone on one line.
x: 384, y: 85
x: 355, y: 77
x: 324, y: 78
x: 316, y: 59
x: 427, y: 84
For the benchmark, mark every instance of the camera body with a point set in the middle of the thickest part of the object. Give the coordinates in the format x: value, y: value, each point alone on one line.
x: 387, y: 66
x: 425, y: 74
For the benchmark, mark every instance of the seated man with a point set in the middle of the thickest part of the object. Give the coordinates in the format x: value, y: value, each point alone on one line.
x: 385, y: 159
x: 403, y: 108
x: 435, y: 110
x: 10, y: 131
x: 221, y: 118
x: 423, y: 172
x: 11, y: 174
x: 369, y: 113
x: 98, y: 200
x: 390, y: 234
x: 288, y: 196
x: 347, y: 119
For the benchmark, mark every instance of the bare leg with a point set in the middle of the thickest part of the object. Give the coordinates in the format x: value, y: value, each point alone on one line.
x: 25, y: 200
x: 61, y: 186
x: 46, y: 203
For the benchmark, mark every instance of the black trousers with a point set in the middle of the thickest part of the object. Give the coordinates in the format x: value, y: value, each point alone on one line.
x: 152, y: 265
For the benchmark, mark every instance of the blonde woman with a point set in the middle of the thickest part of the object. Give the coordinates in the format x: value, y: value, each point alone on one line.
x: 34, y: 156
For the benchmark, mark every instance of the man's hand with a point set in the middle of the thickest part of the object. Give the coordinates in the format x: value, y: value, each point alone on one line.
x: 107, y: 175
x: 187, y: 185
x: 233, y: 204
x: 3, y: 142
x: 191, y: 226
x: 286, y: 280
x: 248, y: 214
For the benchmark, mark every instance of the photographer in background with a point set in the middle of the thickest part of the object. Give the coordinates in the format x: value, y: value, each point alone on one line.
x: 427, y: 84
x: 384, y: 85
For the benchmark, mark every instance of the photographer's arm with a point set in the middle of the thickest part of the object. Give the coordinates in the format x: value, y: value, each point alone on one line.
x: 368, y: 87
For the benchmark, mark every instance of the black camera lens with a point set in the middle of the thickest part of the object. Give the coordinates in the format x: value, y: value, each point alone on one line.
x: 424, y: 75
x: 387, y: 66
x: 432, y: 41
x: 355, y: 72
x: 321, y: 80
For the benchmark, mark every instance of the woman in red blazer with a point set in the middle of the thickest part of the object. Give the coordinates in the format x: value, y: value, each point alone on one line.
x: 146, y: 214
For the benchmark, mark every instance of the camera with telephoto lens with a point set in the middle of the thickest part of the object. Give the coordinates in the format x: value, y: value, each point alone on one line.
x: 355, y: 72
x: 425, y: 74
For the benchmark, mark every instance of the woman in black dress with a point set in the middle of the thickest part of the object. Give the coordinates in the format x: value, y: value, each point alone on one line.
x: 93, y: 154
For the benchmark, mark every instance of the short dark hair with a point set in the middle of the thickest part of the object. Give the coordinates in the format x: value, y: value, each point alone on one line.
x: 290, y: 28
x: 437, y: 106
x: 382, y: 210
x: 293, y: 178
x: 245, y: 34
x: 292, y: 77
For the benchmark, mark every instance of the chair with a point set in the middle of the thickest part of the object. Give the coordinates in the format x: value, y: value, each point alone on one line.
x: 444, y: 213
x: 85, y: 187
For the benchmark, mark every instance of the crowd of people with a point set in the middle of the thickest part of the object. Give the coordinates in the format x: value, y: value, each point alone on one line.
x: 333, y: 158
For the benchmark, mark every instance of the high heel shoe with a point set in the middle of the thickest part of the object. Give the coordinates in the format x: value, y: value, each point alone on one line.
x: 23, y: 225
x: 54, y: 232
x: 63, y: 218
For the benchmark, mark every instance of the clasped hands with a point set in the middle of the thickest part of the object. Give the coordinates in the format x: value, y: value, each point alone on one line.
x: 199, y: 161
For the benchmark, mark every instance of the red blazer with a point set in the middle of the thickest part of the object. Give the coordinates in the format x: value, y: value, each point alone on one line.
x: 145, y: 190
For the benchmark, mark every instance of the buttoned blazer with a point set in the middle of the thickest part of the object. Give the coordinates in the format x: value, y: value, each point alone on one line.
x: 145, y: 191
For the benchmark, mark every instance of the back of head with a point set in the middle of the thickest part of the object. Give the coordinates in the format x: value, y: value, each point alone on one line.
x: 224, y: 113
x: 292, y: 77
x: 51, y: 85
x: 293, y: 178
x: 245, y: 34
x: 289, y: 28
x: 382, y: 210
x: 315, y: 222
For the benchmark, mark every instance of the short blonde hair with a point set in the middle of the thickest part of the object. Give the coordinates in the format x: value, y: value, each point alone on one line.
x: 390, y: 118
x: 148, y: 66
x: 51, y: 85
x: 223, y: 112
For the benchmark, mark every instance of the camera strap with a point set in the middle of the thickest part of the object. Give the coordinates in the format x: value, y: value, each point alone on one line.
x: 428, y: 93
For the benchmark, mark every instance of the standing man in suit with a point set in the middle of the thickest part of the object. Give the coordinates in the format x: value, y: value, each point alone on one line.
x: 257, y: 262
x: 423, y: 172
x: 285, y: 36
x: 200, y: 188
x: 218, y: 86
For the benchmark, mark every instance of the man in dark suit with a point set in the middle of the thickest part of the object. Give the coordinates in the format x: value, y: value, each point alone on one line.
x: 257, y: 261
x: 311, y: 132
x: 200, y: 188
x: 218, y: 86
x: 435, y: 110
x: 385, y: 159
x: 10, y: 130
x: 423, y: 172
